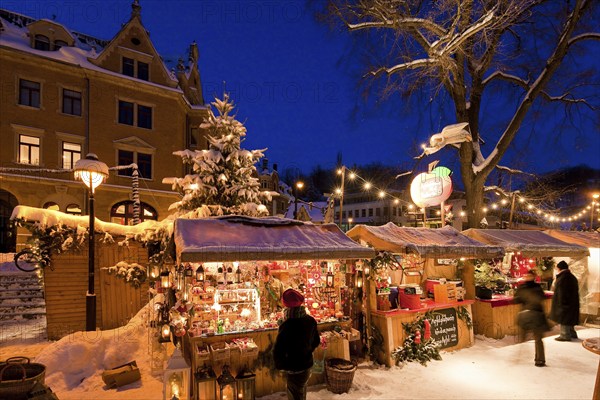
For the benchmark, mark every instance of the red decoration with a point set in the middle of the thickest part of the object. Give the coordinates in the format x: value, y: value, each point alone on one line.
x: 427, y: 324
x: 418, y: 337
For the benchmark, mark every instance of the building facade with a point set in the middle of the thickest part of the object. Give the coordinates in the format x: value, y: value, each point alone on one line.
x: 66, y: 94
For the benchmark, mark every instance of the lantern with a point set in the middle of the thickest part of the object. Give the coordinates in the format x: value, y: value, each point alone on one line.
x: 227, y: 387
x: 238, y: 273
x: 200, y: 274
x: 329, y: 279
x: 359, y: 279
x: 246, y: 385
x: 180, y: 279
x: 230, y: 273
x: 220, y: 278
x: 367, y: 270
x: 206, y: 383
x: 176, y: 379
x: 165, y: 333
x: 154, y: 272
x: 164, y: 280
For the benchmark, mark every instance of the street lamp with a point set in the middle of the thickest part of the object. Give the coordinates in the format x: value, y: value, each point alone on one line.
x: 298, y: 186
x: 92, y: 173
x: 595, y: 197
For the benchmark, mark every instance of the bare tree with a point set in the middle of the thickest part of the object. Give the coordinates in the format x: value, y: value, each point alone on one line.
x: 458, y: 51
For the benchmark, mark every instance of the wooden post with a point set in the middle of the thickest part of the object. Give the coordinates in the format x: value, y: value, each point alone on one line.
x: 512, y: 211
x: 342, y: 195
x: 442, y: 213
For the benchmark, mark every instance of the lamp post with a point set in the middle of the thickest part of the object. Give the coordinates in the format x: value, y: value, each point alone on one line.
x: 298, y: 186
x: 92, y: 173
x: 595, y: 197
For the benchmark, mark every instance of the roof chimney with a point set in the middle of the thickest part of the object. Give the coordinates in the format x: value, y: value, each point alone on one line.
x: 265, y: 164
x: 136, y: 9
x: 274, y: 167
x: 194, y: 52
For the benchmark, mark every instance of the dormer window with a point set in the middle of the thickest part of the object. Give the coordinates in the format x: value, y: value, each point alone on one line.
x: 60, y: 43
x: 42, y: 43
x: 128, y: 66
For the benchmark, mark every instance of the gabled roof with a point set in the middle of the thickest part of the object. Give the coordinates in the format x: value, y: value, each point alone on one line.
x: 587, y: 239
x: 444, y: 242
x: 529, y: 243
x: 238, y: 238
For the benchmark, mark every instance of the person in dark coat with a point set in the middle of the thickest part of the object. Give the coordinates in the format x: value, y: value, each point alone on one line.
x: 532, y: 318
x: 298, y: 337
x: 565, y: 302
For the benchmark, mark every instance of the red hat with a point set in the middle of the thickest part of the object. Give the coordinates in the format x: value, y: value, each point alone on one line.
x: 292, y: 298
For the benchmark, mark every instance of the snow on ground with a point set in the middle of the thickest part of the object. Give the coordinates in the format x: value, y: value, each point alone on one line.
x: 491, y: 369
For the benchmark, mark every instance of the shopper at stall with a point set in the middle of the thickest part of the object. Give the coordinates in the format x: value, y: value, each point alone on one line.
x: 565, y: 302
x: 271, y: 290
x: 531, y: 318
x: 298, y: 337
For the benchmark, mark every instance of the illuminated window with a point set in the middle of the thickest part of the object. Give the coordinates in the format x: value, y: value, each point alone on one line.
x: 51, y: 206
x: 74, y: 209
x: 122, y: 213
x: 29, y: 150
x: 71, y: 153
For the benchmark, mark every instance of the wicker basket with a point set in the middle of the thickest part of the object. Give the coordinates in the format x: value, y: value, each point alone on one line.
x: 339, y: 380
x: 18, y: 376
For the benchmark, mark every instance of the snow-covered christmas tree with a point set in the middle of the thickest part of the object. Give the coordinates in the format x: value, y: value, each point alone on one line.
x: 223, y: 179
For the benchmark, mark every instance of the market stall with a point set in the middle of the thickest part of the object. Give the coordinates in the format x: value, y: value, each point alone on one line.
x: 423, y: 283
x: 586, y: 269
x: 525, y: 249
x: 237, y: 268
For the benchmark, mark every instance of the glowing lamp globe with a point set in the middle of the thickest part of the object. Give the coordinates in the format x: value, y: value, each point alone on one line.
x: 91, y: 171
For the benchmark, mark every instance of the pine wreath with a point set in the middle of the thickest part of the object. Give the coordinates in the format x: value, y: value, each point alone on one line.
x: 418, y: 345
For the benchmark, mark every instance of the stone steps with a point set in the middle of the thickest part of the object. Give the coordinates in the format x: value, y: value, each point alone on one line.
x: 21, y: 297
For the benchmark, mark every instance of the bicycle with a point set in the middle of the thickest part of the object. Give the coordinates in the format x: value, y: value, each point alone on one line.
x: 32, y: 258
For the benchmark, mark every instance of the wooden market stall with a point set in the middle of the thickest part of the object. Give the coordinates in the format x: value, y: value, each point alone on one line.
x: 240, y: 266
x: 586, y: 269
x: 428, y: 266
x: 496, y: 317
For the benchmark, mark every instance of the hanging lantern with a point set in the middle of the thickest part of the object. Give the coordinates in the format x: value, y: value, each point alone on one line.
x: 200, y: 274
x: 165, y: 333
x: 154, y: 272
x: 229, y: 275
x: 329, y: 279
x: 246, y: 384
x: 220, y: 277
x: 180, y: 277
x: 189, y: 272
x: 176, y: 379
x: 359, y: 279
x: 206, y: 383
x: 227, y: 386
x: 238, y: 273
x: 367, y: 270
x: 164, y: 279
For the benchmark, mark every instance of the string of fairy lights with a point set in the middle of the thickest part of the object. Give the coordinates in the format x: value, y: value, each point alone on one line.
x: 523, y: 203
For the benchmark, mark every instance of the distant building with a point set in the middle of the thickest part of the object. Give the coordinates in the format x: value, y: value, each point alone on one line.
x: 65, y: 94
x: 269, y: 182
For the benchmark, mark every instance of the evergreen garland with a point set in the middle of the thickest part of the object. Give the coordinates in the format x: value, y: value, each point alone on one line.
x: 463, y: 314
x: 417, y: 346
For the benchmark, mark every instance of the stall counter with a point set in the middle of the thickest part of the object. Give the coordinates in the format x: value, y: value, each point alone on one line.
x: 389, y: 324
x: 268, y: 381
x: 497, y: 317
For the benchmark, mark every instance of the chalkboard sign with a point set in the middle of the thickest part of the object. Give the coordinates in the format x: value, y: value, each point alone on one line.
x: 444, y: 327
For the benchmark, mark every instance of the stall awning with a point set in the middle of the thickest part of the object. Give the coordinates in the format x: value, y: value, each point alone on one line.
x: 236, y: 238
x: 445, y: 242
x: 585, y: 239
x: 529, y: 243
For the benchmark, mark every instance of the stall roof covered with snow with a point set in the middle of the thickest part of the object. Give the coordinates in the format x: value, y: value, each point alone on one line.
x: 445, y: 242
x: 586, y: 239
x: 237, y: 238
x: 529, y: 243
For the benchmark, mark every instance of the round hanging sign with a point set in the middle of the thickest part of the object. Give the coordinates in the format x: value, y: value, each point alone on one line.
x: 431, y: 189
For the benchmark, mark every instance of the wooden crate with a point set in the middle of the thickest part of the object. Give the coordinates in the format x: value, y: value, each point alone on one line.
x: 444, y: 293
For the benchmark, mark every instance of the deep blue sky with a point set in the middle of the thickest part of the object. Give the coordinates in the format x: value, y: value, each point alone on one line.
x: 293, y: 84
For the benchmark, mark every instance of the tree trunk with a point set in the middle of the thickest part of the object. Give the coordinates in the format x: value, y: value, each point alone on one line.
x: 475, y: 204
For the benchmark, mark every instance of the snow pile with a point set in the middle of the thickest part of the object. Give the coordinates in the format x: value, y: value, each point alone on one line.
x: 75, y: 363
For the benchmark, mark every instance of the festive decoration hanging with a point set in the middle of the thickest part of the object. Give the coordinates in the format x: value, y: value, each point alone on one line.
x: 418, y: 345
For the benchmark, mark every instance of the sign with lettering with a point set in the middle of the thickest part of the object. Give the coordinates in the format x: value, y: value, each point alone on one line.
x: 444, y: 327
x: 431, y: 189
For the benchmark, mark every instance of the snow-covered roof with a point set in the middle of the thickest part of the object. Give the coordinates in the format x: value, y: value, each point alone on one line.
x: 587, y: 239
x: 48, y: 218
x: 15, y: 36
x: 529, y: 243
x: 237, y: 238
x: 444, y: 242
x: 315, y: 212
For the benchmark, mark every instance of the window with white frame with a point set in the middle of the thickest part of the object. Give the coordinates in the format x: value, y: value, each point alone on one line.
x: 29, y: 150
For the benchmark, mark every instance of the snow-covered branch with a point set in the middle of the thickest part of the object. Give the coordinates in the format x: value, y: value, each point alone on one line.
x: 513, y: 171
x: 400, y: 67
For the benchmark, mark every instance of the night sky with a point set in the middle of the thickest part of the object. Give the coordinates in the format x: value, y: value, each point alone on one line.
x: 295, y: 85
